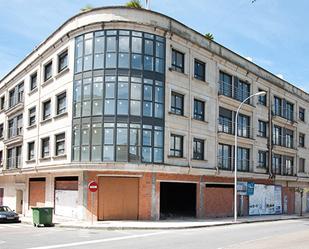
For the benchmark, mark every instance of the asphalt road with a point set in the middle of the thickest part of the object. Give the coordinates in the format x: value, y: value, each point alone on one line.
x: 293, y: 234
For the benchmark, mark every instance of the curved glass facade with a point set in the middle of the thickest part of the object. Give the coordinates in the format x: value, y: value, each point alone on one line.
x: 118, y: 97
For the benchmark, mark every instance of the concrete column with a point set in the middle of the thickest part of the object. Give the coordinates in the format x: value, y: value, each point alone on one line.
x: 154, y: 210
x: 201, y: 213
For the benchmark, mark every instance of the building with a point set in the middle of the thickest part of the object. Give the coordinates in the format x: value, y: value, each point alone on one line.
x: 145, y: 106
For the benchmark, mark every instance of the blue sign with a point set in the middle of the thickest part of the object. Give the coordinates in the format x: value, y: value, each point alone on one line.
x: 250, y: 188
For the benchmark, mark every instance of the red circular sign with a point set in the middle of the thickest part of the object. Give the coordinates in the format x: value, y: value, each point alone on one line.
x: 93, y: 186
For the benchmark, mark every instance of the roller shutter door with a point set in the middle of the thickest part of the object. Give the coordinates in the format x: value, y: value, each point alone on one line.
x: 118, y: 198
x: 37, y: 192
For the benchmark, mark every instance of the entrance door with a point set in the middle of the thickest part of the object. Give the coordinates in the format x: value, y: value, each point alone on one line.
x: 118, y: 198
x: 19, y: 201
x: 1, y: 196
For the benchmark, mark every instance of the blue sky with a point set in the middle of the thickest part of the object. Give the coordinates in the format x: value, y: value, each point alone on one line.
x: 273, y: 33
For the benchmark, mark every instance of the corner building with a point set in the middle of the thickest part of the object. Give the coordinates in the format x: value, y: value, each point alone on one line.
x: 145, y: 106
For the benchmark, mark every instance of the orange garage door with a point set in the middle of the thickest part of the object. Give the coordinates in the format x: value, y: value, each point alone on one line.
x: 36, y: 192
x: 118, y: 198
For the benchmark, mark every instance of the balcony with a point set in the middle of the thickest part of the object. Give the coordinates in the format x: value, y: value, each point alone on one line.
x: 227, y: 163
x: 14, y: 163
x: 284, y: 144
x: 15, y: 104
x: 282, y: 115
x: 237, y: 93
x: 228, y: 127
x: 283, y: 170
x: 14, y: 135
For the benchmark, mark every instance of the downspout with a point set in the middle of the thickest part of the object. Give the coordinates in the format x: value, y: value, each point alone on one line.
x: 270, y: 129
x: 190, y: 114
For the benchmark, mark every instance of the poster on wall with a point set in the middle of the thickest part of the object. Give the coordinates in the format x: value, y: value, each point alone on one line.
x: 266, y: 199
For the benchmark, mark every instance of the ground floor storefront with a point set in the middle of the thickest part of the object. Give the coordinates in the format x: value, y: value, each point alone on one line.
x: 146, y: 195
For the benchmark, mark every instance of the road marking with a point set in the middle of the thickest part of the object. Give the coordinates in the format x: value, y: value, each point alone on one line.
x: 98, y: 241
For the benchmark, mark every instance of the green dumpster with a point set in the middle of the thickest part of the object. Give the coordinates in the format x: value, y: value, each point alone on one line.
x: 42, y: 216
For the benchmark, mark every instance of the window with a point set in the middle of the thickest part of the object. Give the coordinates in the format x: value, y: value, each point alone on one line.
x: 45, y: 147
x: 14, y: 157
x: 225, y: 121
x: 46, y: 110
x: 199, y: 111
x: 241, y: 90
x: 262, y: 163
x: 283, y: 108
x: 243, y: 155
x: 16, y: 95
x: 301, y: 140
x: 198, y: 149
x: 276, y: 164
x: 176, y: 143
x: 289, y: 111
x: 262, y: 128
x: 32, y: 116
x: 30, y: 155
x: 61, y: 103
x: 199, y: 70
x: 60, y: 144
x: 178, y: 61
x: 243, y: 126
x: 289, y: 137
x: 301, y: 168
x: 15, y: 126
x: 224, y: 156
x: 33, y: 81
x: 62, y: 61
x: 1, y: 131
x: 48, y: 71
x: 277, y: 135
x: 277, y: 106
x: 302, y: 114
x: 225, y: 87
x: 1, y: 158
x: 177, y: 103
x: 288, y: 166
x: 2, y: 103
x: 262, y: 98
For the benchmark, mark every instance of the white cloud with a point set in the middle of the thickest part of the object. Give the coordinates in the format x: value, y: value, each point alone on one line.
x: 279, y: 75
x: 249, y: 58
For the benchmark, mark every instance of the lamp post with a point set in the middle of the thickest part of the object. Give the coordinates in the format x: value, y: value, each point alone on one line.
x: 235, y: 150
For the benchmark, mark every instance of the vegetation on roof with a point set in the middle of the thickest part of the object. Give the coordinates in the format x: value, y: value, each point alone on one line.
x: 210, y: 36
x: 134, y: 4
x: 87, y: 7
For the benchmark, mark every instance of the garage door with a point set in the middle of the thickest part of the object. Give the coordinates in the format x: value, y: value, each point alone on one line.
x: 66, y: 196
x: 118, y: 198
x: 37, y: 192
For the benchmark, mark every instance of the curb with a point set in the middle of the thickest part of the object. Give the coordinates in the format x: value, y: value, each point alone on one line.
x: 111, y: 228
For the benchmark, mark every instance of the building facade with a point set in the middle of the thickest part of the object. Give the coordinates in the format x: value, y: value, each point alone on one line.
x: 145, y: 106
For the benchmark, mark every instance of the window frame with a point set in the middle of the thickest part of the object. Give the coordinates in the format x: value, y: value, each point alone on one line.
x: 44, y: 116
x: 198, y: 155
x: 63, y: 55
x: 197, y: 115
x: 173, y: 149
x: 30, y: 115
x: 59, y: 142
x: 43, y: 152
x: 174, y: 107
x: 203, y: 65
x: 175, y: 66
x: 301, y: 170
x: 46, y: 75
x: 33, y: 85
x: 30, y: 156
x: 301, y: 140
x: 302, y: 114
x: 59, y: 97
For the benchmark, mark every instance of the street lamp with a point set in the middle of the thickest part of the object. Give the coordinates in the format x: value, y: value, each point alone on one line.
x: 235, y: 150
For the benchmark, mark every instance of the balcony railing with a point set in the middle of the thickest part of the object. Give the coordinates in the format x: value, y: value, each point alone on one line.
x: 227, y: 126
x: 231, y: 91
x: 227, y: 163
x: 283, y: 141
x: 13, y: 132
x: 16, y: 99
x: 14, y: 162
x: 283, y: 113
x: 282, y: 170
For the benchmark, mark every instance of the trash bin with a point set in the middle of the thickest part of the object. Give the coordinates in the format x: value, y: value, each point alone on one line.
x: 42, y: 216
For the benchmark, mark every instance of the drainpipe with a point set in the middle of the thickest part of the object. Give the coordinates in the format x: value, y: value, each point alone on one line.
x: 270, y: 127
x: 190, y: 114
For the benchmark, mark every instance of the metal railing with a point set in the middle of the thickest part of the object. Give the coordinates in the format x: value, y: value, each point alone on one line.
x: 231, y: 91
x: 283, y: 141
x: 227, y: 163
x: 282, y: 170
x: 14, y: 162
x: 227, y: 126
x: 13, y: 132
x: 283, y: 113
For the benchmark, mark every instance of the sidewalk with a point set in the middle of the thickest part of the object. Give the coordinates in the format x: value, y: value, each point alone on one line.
x: 164, y: 224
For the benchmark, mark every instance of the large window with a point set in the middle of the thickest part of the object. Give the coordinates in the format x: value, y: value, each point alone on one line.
x: 263, y: 159
x: 48, y: 71
x: 178, y: 60
x: 242, y: 90
x: 118, y: 113
x: 226, y: 86
x: 177, y: 103
x: 283, y: 108
x: 15, y: 126
x: 32, y: 116
x: 243, y: 156
x: 262, y: 132
x: 276, y: 164
x: 225, y: 121
x: 16, y: 95
x: 199, y: 110
x: 199, y: 70
x: 176, y: 145
x: 262, y: 100
x: 33, y: 81
x: 198, y: 149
